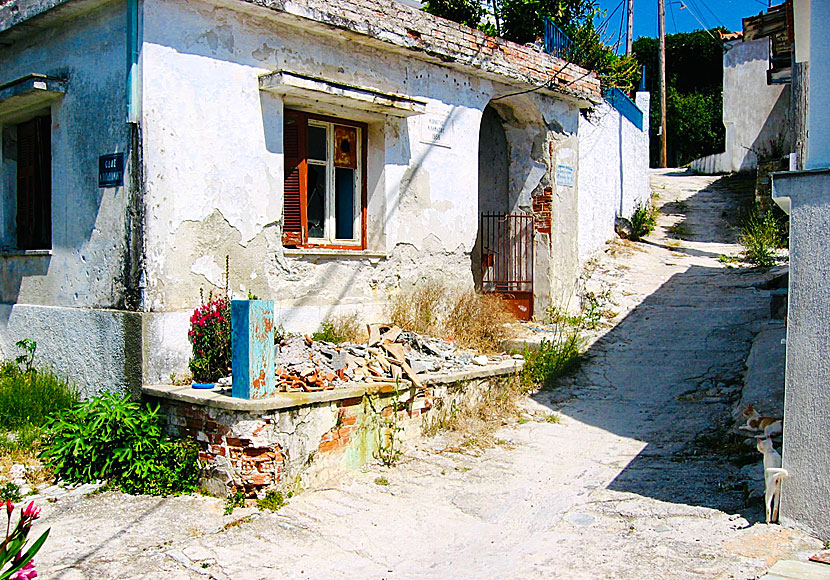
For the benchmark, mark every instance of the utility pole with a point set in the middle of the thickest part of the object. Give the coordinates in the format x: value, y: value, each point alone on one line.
x: 661, y: 64
x: 629, y: 37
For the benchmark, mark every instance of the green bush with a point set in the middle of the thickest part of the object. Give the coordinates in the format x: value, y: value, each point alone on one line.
x: 110, y: 437
x: 554, y: 359
x: 643, y: 221
x: 761, y: 235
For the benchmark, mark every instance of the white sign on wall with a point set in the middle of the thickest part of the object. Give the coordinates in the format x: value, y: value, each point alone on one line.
x: 437, y: 130
x: 564, y: 175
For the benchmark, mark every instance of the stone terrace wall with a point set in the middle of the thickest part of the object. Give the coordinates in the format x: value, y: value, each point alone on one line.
x: 444, y: 40
x: 301, y: 446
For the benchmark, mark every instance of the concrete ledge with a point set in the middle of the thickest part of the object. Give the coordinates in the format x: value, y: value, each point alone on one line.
x: 221, y: 398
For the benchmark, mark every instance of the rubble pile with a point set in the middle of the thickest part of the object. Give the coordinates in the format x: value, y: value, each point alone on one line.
x: 390, y: 354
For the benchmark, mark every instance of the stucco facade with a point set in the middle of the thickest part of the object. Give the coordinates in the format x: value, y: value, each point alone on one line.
x: 805, y: 195
x: 207, y: 161
x: 756, y: 114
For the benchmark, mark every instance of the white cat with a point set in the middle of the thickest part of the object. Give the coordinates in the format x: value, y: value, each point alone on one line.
x: 773, y: 475
x: 755, y: 422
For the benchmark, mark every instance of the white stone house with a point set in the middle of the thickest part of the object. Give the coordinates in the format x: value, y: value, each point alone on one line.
x: 805, y: 195
x: 335, y: 152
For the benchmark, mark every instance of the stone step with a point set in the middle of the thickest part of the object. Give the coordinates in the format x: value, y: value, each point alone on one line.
x: 796, y: 570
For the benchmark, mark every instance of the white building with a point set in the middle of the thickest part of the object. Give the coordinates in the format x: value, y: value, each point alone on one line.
x: 336, y: 152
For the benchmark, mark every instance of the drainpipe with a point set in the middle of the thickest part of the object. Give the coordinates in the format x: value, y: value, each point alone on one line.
x: 135, y: 268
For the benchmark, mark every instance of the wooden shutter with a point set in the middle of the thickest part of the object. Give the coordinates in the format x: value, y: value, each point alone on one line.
x: 34, y: 184
x: 295, y: 130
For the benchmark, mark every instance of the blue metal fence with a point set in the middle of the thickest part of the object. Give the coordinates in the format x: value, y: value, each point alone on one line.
x: 627, y: 108
x: 557, y: 42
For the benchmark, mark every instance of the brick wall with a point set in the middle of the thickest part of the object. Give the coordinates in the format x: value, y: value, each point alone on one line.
x: 254, y: 451
x: 438, y: 39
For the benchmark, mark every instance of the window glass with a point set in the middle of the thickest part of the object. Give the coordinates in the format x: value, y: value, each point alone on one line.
x: 316, y: 208
x: 344, y: 202
x: 317, y: 143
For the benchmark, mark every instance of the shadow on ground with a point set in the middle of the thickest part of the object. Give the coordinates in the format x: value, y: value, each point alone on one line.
x: 670, y: 373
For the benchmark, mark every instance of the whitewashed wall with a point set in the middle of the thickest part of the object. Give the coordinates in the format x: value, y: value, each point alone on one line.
x: 214, y: 166
x: 613, y: 172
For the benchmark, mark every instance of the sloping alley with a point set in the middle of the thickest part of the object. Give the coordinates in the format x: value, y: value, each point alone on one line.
x: 628, y: 485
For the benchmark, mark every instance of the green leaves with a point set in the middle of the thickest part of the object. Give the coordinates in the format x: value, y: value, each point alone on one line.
x: 111, y: 437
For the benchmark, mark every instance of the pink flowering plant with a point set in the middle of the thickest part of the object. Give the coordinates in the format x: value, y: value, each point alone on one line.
x: 14, y: 562
x: 210, y: 336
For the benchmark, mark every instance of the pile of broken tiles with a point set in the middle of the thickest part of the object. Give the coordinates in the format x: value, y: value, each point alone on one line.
x: 390, y: 355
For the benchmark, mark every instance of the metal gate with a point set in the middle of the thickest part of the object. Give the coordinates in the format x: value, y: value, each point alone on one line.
x: 507, y: 259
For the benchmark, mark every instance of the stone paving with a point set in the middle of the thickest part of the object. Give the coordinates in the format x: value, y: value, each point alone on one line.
x: 618, y: 489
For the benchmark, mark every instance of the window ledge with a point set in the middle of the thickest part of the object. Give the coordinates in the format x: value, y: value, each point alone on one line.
x: 339, y: 253
x: 24, y: 253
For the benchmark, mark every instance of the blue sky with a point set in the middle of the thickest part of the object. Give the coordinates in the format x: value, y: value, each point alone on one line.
x: 713, y: 13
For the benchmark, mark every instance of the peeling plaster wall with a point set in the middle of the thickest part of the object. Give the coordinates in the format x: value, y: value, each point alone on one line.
x: 613, y: 172
x: 88, y: 227
x: 62, y: 299
x: 214, y: 166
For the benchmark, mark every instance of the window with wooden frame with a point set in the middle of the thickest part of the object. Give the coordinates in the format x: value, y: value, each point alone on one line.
x: 34, y: 184
x: 325, y: 182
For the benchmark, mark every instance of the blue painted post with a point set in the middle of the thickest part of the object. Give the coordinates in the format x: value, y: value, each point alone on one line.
x: 252, y: 345
x: 643, y: 79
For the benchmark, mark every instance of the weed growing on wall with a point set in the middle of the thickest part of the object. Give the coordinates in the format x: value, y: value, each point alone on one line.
x: 273, y: 500
x: 555, y: 358
x: 29, y: 394
x: 643, y: 220
x: 761, y: 235
x: 344, y: 328
x: 113, y: 438
x: 233, y: 501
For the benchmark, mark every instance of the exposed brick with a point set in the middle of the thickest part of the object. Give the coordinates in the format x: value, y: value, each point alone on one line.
x: 237, y: 442
x: 327, y: 446
x: 353, y: 401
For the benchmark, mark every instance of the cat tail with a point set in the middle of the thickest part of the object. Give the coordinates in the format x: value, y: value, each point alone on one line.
x: 780, y: 472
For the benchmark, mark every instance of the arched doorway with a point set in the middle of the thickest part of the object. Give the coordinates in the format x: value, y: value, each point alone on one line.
x: 503, y: 260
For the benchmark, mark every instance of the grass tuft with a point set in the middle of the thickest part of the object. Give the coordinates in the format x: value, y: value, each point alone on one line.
x: 28, y: 398
x: 555, y: 358
x: 761, y: 235
x: 342, y: 328
x: 643, y: 220
x: 473, y: 320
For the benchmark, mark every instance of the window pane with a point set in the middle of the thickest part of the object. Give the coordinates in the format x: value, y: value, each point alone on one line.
x: 317, y: 146
x: 344, y: 191
x: 316, y: 208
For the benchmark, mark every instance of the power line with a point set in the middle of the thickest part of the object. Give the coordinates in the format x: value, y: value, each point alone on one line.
x: 604, y: 23
x: 701, y: 18
x: 671, y: 12
x: 715, y: 16
x: 619, y: 35
x: 705, y: 28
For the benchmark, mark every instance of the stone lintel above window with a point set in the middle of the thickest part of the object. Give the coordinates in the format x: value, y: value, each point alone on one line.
x: 21, y: 98
x: 337, y: 93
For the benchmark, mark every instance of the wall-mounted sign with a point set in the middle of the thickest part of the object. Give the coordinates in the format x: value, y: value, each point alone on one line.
x: 437, y: 130
x: 111, y: 170
x: 564, y: 175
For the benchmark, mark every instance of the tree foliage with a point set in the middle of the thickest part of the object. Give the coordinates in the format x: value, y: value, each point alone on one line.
x: 694, y: 94
x: 523, y: 21
x: 467, y: 12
